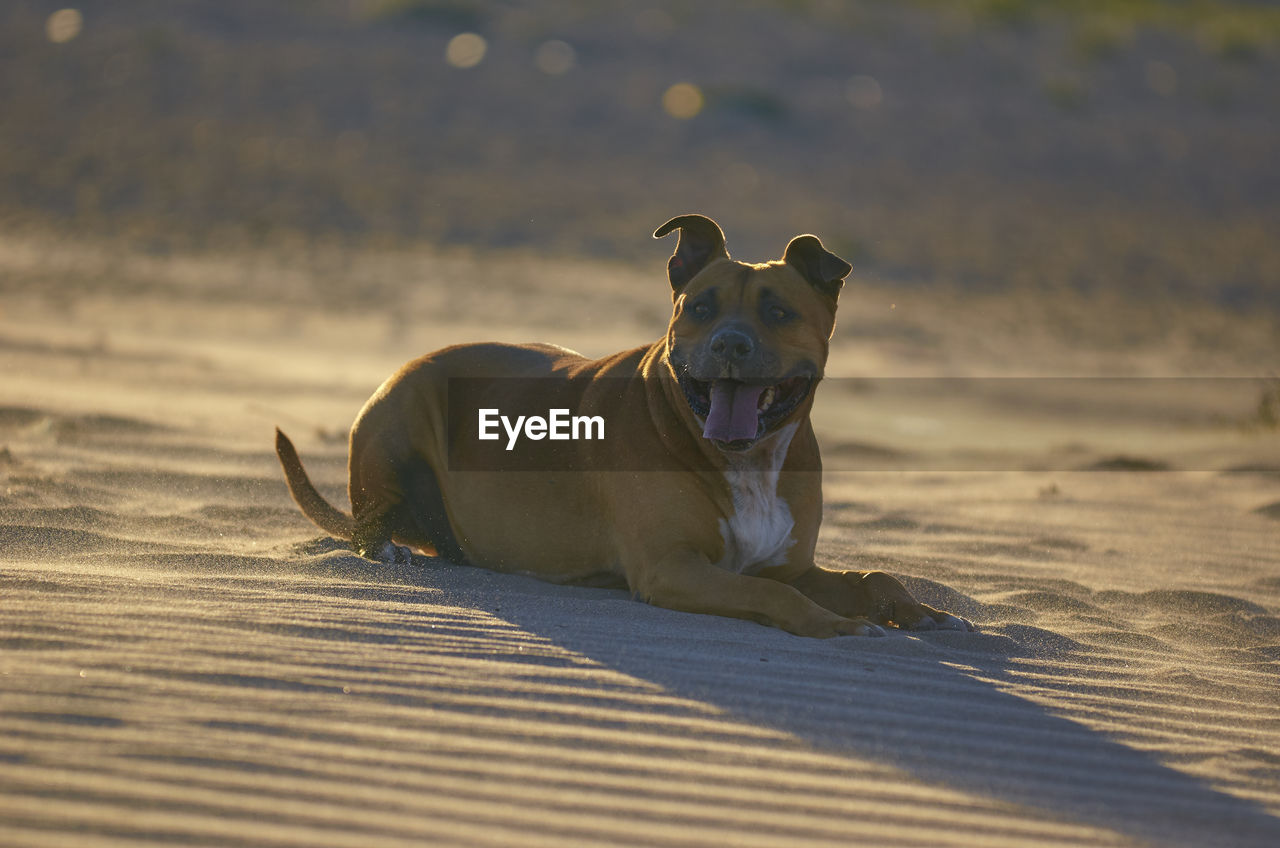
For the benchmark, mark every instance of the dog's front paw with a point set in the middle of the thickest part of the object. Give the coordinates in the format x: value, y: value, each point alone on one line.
x: 893, y: 605
x: 826, y: 625
x: 862, y: 627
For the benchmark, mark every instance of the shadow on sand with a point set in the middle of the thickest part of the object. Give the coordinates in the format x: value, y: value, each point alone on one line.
x: 934, y: 707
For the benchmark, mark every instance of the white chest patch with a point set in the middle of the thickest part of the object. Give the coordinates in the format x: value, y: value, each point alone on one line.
x: 758, y: 534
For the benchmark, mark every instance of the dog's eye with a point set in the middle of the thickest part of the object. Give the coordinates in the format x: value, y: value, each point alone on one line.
x: 702, y: 310
x: 777, y: 313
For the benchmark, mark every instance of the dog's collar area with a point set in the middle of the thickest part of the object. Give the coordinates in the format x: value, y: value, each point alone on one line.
x: 773, y: 403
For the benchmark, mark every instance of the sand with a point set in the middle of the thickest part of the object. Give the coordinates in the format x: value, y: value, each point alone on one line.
x: 184, y: 659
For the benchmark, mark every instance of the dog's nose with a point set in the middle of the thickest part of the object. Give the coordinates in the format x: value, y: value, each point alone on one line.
x: 733, y: 344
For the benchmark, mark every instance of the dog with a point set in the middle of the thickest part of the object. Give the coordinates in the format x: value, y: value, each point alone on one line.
x: 706, y: 495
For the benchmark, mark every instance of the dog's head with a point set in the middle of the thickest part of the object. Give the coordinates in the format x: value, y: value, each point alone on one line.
x: 748, y: 342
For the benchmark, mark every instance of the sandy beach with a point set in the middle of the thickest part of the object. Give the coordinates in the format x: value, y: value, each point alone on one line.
x: 1052, y: 406
x: 188, y: 661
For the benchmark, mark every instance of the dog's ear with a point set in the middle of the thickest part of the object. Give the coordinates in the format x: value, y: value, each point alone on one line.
x: 822, y: 268
x: 701, y: 240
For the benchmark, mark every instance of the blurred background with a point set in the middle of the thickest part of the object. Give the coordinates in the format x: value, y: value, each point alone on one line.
x: 1128, y: 147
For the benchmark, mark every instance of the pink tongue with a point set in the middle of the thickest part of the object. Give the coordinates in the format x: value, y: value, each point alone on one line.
x: 733, y: 411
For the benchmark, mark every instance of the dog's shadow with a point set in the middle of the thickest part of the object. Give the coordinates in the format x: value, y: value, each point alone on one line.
x: 934, y: 706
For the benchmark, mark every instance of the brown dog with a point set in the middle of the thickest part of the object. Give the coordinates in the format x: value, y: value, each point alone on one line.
x: 703, y: 490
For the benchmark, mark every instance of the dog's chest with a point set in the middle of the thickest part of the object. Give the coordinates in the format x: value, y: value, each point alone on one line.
x: 758, y: 534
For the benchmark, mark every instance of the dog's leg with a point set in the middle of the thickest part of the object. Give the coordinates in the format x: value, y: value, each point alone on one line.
x: 689, y: 583
x: 874, y: 595
x: 385, y: 486
x: 372, y: 540
x: 377, y: 507
x: 396, y: 508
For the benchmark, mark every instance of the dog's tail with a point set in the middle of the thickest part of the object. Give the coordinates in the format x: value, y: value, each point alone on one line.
x: 326, y: 516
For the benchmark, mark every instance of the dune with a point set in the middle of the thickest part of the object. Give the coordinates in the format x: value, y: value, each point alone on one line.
x: 184, y: 659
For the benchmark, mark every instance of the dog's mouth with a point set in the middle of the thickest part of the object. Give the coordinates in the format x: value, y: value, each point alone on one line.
x: 735, y: 414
